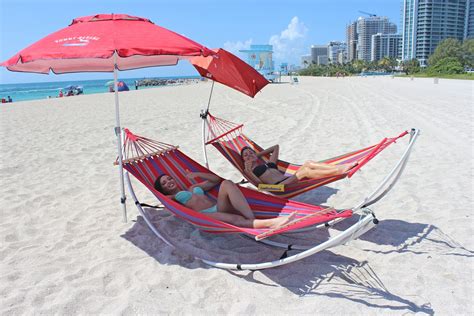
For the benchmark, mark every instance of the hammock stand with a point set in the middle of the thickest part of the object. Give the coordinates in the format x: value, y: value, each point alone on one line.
x: 228, y: 138
x: 143, y: 161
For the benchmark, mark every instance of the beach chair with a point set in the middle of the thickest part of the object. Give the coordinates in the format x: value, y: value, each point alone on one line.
x: 145, y: 159
x: 227, y: 137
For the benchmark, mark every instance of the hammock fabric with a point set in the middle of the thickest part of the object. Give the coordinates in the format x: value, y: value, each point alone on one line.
x: 146, y: 159
x: 227, y: 137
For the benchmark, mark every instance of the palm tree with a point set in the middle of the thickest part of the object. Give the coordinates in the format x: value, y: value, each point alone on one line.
x: 386, y: 64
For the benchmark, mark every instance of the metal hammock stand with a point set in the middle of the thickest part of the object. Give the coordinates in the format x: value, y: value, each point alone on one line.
x: 365, y: 222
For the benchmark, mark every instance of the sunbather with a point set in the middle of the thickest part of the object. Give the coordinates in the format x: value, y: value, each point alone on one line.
x: 231, y: 207
x: 268, y: 172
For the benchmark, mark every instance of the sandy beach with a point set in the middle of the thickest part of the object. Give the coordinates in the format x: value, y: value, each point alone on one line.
x: 65, y: 249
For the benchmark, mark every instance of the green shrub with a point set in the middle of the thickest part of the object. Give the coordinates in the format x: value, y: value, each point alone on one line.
x: 447, y: 65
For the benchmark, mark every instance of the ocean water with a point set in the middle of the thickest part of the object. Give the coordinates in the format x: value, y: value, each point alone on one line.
x: 43, y: 90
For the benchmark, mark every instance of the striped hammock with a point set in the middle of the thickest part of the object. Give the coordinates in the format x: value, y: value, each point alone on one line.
x: 227, y: 137
x: 146, y: 159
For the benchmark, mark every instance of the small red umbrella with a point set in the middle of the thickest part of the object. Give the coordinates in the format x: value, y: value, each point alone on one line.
x: 228, y: 69
x: 105, y: 43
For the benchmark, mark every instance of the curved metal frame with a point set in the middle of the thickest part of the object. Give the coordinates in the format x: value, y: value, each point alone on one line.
x: 366, y: 222
x: 359, y: 228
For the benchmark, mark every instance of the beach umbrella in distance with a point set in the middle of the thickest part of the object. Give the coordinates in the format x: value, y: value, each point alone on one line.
x: 122, y: 86
x: 228, y: 69
x: 106, y: 43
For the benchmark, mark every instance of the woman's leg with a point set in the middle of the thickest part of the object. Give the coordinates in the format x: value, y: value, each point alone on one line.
x: 315, y: 170
x: 241, y: 221
x: 289, y: 180
x: 230, y: 198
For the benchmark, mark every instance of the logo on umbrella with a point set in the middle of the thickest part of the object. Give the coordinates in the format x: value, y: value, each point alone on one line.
x: 76, y: 40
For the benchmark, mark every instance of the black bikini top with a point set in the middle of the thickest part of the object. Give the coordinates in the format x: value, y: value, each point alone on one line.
x: 260, y: 169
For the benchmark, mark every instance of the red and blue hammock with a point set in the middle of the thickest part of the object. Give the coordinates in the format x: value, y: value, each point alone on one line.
x: 227, y: 137
x: 146, y: 159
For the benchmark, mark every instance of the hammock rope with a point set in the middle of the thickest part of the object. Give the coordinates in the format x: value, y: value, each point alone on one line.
x: 228, y: 138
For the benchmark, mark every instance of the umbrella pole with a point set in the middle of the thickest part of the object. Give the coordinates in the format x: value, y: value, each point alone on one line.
x: 118, y: 133
x: 204, y: 124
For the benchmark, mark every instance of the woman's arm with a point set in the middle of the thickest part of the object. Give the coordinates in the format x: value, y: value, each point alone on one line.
x: 211, y: 180
x: 249, y: 173
x: 274, y: 151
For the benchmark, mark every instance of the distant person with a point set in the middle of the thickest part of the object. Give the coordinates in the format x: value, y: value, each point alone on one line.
x: 9, y: 99
x: 231, y: 206
x: 61, y: 93
x: 70, y: 93
x: 268, y: 173
x: 136, y: 85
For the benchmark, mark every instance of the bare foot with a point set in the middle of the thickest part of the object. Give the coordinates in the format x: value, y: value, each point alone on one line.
x: 281, y: 221
x: 346, y: 167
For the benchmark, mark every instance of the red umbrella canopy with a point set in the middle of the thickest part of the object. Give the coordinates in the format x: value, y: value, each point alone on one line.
x: 230, y: 70
x: 90, y: 42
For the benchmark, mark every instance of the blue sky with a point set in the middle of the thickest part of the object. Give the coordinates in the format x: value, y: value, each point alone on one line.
x: 292, y: 26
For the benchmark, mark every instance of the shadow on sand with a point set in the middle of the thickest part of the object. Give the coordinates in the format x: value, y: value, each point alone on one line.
x: 336, y: 276
x: 404, y: 237
x: 324, y: 274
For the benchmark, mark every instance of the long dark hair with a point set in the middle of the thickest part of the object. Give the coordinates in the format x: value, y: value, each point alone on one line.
x: 157, y: 183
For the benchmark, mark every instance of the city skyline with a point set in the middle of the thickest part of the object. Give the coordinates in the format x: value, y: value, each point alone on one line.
x: 424, y: 24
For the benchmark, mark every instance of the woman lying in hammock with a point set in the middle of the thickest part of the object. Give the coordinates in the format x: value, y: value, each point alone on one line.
x: 231, y: 207
x: 268, y: 172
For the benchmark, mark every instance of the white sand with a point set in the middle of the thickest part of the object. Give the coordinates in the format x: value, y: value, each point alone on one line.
x: 65, y: 249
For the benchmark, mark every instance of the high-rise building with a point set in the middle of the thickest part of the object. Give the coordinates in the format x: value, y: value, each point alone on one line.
x: 351, y: 40
x: 319, y: 54
x: 386, y: 45
x: 368, y: 26
x: 322, y: 60
x: 305, y: 61
x: 337, y: 52
x: 469, y: 20
x: 427, y: 22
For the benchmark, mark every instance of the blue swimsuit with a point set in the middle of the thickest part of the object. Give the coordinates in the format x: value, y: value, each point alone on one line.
x: 184, y: 196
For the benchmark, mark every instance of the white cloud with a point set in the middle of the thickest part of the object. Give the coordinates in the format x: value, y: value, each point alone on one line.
x: 234, y: 47
x: 288, y: 45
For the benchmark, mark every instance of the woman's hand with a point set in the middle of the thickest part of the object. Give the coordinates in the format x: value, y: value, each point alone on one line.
x: 248, y: 166
x: 190, y: 175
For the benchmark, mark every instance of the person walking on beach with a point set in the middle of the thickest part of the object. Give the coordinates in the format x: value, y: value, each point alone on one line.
x: 268, y: 173
x: 61, y: 93
x: 231, y: 206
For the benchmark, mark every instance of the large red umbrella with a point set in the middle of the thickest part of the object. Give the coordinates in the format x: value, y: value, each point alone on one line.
x: 101, y: 42
x: 105, y: 43
x: 228, y: 69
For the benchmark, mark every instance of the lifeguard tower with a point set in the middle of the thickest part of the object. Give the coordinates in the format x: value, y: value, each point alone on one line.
x: 260, y: 58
